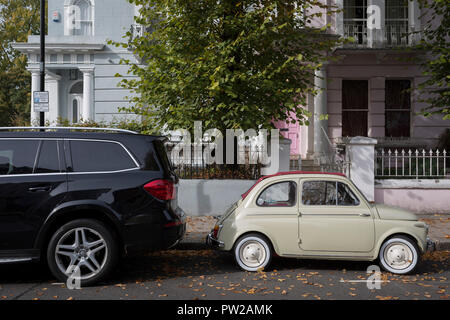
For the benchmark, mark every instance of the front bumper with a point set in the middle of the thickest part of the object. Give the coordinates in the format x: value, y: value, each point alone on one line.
x: 431, y: 245
x: 213, y: 242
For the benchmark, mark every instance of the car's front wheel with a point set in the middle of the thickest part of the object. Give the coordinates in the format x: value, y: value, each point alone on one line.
x: 84, y: 250
x: 399, y: 255
x: 253, y: 252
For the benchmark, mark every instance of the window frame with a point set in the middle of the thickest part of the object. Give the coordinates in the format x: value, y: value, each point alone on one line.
x: 336, y: 181
x: 409, y: 111
x: 278, y: 206
x: 350, y: 110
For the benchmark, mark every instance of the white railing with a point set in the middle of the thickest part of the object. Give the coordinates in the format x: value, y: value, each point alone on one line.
x: 387, y: 37
x: 418, y: 164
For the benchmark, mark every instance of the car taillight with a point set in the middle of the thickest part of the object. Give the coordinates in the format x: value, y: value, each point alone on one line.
x: 216, y: 231
x: 161, y: 189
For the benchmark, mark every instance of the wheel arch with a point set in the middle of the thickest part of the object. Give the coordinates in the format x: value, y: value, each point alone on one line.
x: 393, y: 234
x: 74, y: 211
x: 264, y: 235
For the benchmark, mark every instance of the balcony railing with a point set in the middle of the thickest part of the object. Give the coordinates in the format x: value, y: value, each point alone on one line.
x: 389, y: 36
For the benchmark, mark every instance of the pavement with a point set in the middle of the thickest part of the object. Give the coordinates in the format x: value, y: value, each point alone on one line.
x: 199, y: 227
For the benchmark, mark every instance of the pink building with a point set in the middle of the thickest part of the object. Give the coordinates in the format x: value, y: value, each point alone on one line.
x: 364, y: 92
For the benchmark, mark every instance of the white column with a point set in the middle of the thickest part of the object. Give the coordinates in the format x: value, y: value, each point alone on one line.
x: 86, y: 109
x: 361, y: 154
x: 320, y: 109
x: 35, y: 86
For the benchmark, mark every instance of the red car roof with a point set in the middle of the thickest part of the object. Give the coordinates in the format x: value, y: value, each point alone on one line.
x: 286, y: 173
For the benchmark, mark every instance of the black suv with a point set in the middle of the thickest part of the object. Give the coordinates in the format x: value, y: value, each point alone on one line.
x: 79, y: 200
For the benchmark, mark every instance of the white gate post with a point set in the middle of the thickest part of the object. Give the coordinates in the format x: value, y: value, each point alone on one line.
x: 361, y: 154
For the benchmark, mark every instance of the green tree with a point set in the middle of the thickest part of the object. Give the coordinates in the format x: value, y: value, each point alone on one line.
x: 435, y: 40
x: 229, y: 63
x: 18, y: 20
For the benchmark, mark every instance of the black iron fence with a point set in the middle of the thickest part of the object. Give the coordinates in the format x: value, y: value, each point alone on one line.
x: 203, y: 161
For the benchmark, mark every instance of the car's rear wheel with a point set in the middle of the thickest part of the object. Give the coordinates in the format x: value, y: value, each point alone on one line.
x: 84, y: 250
x: 399, y: 255
x: 253, y: 252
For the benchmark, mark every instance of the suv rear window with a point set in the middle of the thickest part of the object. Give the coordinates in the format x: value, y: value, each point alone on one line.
x: 17, y: 156
x: 99, y: 156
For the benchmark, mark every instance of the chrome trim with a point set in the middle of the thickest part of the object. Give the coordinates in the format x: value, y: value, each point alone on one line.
x: 75, y: 139
x: 431, y: 245
x: 69, y: 128
x: 14, y: 260
x: 211, y: 241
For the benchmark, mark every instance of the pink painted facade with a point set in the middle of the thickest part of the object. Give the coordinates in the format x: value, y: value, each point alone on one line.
x: 378, y: 65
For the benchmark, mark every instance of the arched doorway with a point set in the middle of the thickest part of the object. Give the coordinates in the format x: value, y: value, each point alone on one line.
x: 75, y: 102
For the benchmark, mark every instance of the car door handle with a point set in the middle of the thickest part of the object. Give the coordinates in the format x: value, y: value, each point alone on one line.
x: 364, y: 214
x: 39, y: 189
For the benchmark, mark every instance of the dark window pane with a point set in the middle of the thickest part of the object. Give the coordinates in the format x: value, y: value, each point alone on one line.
x: 94, y: 156
x: 48, y: 158
x: 319, y: 193
x: 397, y: 124
x: 345, y: 196
x: 354, y: 123
x: 280, y: 194
x: 355, y: 94
x: 397, y: 94
x: 17, y: 156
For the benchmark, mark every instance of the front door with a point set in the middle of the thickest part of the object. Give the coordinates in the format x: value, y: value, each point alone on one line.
x: 332, y: 218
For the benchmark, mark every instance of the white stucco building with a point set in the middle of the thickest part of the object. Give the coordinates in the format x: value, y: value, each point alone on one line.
x: 80, y: 64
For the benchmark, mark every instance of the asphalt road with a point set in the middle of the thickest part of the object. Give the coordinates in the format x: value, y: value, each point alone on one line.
x: 206, y: 274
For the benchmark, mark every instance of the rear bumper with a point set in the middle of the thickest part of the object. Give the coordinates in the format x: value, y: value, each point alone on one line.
x: 213, y: 242
x: 149, y: 236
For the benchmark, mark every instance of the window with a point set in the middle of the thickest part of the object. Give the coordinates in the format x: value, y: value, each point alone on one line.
x: 17, y: 156
x: 281, y: 194
x: 96, y: 156
x: 328, y: 193
x: 48, y: 161
x: 345, y: 196
x: 355, y: 96
x: 397, y: 22
x: 355, y: 17
x: 79, y: 19
x: 397, y: 108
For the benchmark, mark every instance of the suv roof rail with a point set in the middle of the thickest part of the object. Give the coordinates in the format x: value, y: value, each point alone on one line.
x: 68, y: 128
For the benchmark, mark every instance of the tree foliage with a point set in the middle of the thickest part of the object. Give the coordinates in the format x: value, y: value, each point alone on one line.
x: 228, y: 63
x: 436, y: 40
x: 18, y: 20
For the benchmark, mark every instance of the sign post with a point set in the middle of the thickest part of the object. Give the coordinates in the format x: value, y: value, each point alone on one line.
x: 42, y: 67
x: 41, y: 101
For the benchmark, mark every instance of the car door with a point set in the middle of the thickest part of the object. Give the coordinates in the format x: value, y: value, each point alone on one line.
x: 32, y: 183
x: 275, y: 214
x: 332, y: 218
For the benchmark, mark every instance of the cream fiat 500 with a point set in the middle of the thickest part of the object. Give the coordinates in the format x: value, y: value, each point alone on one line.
x: 317, y: 216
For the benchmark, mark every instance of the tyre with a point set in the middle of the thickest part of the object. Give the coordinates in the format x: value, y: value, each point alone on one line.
x: 399, y: 255
x: 83, y: 248
x: 253, y: 252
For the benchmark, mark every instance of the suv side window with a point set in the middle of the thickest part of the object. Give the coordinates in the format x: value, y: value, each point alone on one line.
x: 48, y: 161
x: 17, y: 156
x: 281, y: 194
x: 99, y: 156
x: 328, y: 193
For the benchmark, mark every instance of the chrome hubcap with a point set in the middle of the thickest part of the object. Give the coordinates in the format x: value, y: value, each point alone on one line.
x: 83, y: 250
x: 252, y: 254
x: 398, y: 256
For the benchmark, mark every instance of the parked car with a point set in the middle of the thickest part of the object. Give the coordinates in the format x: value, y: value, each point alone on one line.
x: 83, y: 199
x: 317, y: 216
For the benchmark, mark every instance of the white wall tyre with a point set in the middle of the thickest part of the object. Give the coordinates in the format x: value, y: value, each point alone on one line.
x: 253, y: 252
x: 399, y: 255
